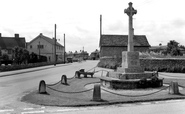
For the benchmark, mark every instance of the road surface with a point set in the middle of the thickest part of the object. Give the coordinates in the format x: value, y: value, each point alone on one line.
x: 15, y: 84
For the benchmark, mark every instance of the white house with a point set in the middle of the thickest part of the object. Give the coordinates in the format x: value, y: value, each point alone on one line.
x: 43, y: 45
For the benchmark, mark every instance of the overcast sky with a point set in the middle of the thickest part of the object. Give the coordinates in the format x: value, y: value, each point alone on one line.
x: 160, y: 20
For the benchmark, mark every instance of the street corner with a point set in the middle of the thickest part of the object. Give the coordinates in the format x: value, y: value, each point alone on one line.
x: 89, y: 92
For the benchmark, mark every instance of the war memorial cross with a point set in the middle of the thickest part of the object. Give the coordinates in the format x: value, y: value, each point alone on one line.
x: 130, y: 11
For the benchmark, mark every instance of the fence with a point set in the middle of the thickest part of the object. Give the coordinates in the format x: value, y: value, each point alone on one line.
x: 173, y: 88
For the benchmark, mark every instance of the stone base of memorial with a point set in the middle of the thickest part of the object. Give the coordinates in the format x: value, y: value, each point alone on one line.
x: 130, y: 75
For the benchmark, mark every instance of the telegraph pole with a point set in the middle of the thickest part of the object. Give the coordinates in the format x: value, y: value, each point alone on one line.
x: 55, y: 46
x: 83, y: 53
x: 100, y: 25
x: 64, y: 49
x: 39, y: 50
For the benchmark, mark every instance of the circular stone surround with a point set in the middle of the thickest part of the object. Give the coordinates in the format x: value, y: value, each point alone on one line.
x: 132, y: 91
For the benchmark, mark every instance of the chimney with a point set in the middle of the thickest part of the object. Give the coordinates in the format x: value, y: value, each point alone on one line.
x: 41, y: 34
x: 16, y: 35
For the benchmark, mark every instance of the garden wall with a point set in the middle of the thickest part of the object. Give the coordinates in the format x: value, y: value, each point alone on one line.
x: 160, y: 65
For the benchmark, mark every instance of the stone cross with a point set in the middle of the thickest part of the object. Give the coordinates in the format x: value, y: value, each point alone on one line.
x: 130, y: 11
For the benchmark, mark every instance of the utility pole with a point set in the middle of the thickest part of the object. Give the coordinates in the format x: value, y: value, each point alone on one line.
x: 55, y: 46
x: 39, y: 50
x: 64, y: 49
x: 83, y: 52
x: 100, y: 25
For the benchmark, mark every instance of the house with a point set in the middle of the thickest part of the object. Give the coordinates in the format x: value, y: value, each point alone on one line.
x: 95, y: 55
x: 43, y: 45
x: 158, y: 49
x: 82, y: 55
x: 8, y: 43
x: 113, y: 45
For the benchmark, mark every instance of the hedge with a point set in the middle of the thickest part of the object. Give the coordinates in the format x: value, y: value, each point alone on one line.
x: 160, y: 65
x: 25, y: 66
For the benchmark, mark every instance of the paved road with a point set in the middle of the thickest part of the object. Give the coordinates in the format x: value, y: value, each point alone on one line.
x: 15, y: 84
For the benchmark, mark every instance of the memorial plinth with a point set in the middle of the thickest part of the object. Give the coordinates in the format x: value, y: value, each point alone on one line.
x: 130, y: 75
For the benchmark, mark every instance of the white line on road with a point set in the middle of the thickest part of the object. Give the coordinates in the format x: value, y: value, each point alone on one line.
x: 28, y: 108
x: 32, y: 112
x: 6, y: 110
x: 62, y: 110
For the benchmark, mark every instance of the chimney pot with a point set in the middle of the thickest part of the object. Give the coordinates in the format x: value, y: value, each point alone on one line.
x: 16, y: 35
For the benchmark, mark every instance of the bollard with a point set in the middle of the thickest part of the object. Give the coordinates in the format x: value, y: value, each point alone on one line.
x: 42, y: 87
x: 174, y: 89
x: 64, y: 77
x: 77, y: 74
x: 97, y: 93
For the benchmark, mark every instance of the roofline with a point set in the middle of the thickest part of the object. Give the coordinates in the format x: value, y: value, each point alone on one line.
x: 118, y: 35
x: 125, y: 46
x: 44, y: 39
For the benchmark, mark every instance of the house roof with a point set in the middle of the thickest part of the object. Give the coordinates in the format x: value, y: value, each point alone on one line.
x: 122, y: 40
x: 49, y: 40
x: 11, y: 42
x: 158, y: 47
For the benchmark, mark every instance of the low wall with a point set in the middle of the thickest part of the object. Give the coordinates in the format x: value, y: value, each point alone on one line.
x: 161, y: 65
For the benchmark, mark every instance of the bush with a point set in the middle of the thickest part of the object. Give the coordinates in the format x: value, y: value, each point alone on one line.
x: 109, y: 62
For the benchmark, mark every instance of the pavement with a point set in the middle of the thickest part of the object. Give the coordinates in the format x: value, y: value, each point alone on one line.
x: 79, y: 92
x: 21, y: 71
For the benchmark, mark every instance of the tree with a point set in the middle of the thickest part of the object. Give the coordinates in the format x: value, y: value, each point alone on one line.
x: 21, y: 55
x: 173, y: 48
x: 5, y: 57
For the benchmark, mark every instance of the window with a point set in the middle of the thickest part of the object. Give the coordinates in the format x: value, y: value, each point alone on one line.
x: 9, y: 51
x: 30, y: 46
x: 40, y: 46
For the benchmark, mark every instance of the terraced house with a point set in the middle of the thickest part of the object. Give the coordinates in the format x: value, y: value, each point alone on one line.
x: 7, y: 44
x: 43, y: 45
x: 113, y: 45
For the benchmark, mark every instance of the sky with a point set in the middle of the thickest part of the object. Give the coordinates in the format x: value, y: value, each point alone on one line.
x: 160, y: 20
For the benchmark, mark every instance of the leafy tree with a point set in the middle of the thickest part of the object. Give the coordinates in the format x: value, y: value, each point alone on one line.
x: 173, y: 48
x: 181, y: 46
x: 5, y: 57
x: 21, y: 55
x: 0, y: 51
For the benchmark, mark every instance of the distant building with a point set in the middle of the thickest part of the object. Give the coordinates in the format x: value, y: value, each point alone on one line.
x: 158, y: 49
x: 95, y: 55
x: 82, y: 55
x: 161, y: 48
x: 7, y: 44
x: 113, y: 45
x: 43, y: 45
